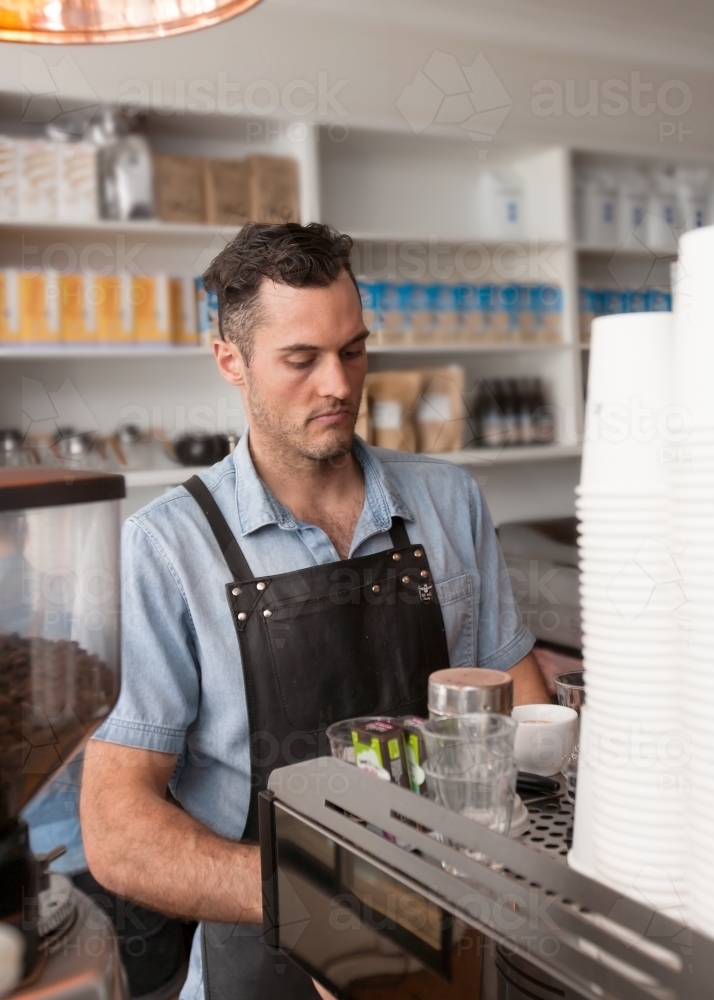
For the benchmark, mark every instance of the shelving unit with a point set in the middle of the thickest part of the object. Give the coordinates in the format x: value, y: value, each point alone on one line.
x: 476, y: 457
x: 403, y: 198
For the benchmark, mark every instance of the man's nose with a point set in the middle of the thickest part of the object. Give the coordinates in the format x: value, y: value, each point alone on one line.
x: 333, y: 379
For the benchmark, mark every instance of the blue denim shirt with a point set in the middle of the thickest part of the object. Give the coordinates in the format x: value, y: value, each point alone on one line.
x: 182, y: 683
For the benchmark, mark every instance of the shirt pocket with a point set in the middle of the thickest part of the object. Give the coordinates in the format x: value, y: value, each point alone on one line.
x: 456, y: 602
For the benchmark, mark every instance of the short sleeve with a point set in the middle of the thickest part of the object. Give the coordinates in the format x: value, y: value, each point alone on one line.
x: 159, y: 693
x: 502, y: 639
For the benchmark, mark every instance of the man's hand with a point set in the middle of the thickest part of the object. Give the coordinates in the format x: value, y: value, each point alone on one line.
x: 139, y: 845
x: 528, y: 684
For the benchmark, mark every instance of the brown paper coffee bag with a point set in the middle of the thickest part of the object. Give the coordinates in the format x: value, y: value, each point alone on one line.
x: 439, y: 413
x: 392, y: 398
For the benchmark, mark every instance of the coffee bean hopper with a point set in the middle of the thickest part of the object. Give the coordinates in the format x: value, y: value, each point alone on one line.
x: 368, y: 887
x: 59, y: 678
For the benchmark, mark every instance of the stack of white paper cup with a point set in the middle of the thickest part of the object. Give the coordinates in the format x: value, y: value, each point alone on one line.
x: 692, y: 483
x: 630, y: 594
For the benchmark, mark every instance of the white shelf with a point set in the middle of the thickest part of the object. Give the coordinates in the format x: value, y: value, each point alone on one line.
x: 513, y: 455
x: 161, y: 477
x: 518, y: 454
x: 461, y: 348
x: 107, y: 352
x: 625, y: 251
x: 460, y: 239
x: 149, y: 228
x: 101, y: 353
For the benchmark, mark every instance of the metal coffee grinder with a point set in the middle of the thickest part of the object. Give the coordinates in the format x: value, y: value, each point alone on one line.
x: 59, y: 678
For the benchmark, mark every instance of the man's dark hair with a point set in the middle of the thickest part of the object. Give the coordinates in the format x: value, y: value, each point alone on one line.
x: 311, y: 256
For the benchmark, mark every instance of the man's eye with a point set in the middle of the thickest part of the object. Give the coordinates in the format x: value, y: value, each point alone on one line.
x: 300, y: 364
x: 354, y: 353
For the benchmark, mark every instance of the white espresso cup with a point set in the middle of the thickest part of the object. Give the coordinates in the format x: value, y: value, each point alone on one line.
x: 545, y: 737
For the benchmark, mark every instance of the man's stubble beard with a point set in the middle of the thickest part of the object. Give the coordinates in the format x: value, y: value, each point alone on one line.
x: 291, y: 440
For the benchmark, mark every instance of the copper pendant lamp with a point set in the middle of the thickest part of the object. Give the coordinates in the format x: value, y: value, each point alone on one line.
x: 75, y: 21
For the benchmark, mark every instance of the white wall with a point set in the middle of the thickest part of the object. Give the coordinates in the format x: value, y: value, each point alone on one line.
x: 370, y: 60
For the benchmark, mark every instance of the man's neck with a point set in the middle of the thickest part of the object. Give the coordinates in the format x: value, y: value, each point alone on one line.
x: 307, y: 487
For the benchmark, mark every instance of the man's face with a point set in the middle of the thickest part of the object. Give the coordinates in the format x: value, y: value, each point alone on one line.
x: 304, y: 382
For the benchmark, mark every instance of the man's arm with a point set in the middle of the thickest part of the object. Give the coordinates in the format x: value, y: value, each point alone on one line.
x: 139, y: 845
x: 528, y: 684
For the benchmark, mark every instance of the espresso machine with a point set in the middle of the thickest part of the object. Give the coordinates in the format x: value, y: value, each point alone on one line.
x: 59, y: 678
x: 382, y: 894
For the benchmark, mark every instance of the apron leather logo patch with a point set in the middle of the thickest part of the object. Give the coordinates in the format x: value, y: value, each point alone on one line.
x: 425, y: 590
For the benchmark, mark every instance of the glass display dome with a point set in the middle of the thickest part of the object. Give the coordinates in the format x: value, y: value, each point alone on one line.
x: 59, y: 621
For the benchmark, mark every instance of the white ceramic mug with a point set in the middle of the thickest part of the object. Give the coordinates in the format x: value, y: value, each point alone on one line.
x: 545, y: 737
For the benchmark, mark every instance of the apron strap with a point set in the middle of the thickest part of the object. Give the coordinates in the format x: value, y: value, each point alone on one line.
x: 398, y: 534
x: 227, y: 543
x: 224, y: 536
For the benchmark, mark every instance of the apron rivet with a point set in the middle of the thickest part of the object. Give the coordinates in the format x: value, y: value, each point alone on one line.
x: 376, y: 588
x: 267, y: 613
x: 417, y: 553
x: 236, y: 591
x: 396, y: 557
x: 424, y: 573
x: 260, y: 586
x: 242, y: 616
x: 405, y: 579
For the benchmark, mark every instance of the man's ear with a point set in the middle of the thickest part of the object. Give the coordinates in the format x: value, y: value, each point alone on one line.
x: 230, y: 362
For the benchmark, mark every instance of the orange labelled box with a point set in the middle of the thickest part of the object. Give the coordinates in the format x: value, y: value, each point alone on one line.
x: 115, y: 310
x: 79, y: 296
x: 40, y: 307
x: 184, y: 310
x: 152, y: 314
x: 10, y: 322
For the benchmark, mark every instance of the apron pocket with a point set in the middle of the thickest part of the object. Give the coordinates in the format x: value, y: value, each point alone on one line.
x: 456, y: 602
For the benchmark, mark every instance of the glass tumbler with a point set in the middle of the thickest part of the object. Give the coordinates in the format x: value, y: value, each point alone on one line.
x: 340, y: 736
x: 457, y: 744
x: 570, y: 688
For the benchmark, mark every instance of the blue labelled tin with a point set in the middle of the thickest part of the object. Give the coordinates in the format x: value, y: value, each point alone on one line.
x: 391, y: 307
x: 636, y: 300
x: 369, y: 294
x: 659, y: 300
x: 506, y: 297
x: 416, y: 307
x: 588, y: 300
x: 612, y: 302
x: 487, y: 297
x: 444, y: 298
x: 445, y: 309
x: 473, y: 313
x: 504, y: 317
x: 526, y: 306
x: 550, y: 308
x: 467, y: 297
x: 550, y: 298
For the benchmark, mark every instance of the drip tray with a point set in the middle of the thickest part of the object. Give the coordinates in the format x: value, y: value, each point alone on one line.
x: 551, y: 827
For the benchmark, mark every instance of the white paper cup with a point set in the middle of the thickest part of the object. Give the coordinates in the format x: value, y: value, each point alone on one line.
x: 595, y: 623
x: 646, y: 529
x: 660, y: 717
x: 621, y: 613
x: 630, y: 359
x: 617, y: 501
x: 636, y: 851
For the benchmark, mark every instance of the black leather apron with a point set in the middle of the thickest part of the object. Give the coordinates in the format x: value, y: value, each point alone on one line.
x: 331, y: 642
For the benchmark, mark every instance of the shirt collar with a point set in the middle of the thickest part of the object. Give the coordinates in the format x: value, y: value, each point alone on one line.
x: 257, y: 506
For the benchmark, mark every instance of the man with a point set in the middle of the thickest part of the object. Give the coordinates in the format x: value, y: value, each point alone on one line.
x: 304, y: 579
